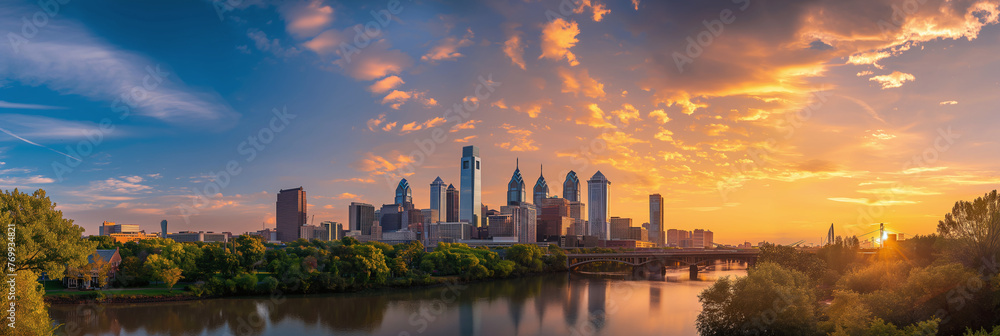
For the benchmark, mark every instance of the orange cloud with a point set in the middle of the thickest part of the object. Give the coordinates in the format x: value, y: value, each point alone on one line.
x: 581, y: 82
x: 386, y: 84
x: 515, y: 50
x: 558, y: 36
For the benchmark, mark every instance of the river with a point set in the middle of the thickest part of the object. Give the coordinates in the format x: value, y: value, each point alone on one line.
x: 555, y: 304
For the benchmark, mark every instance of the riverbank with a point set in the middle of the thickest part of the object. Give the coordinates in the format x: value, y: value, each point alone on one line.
x: 153, y: 295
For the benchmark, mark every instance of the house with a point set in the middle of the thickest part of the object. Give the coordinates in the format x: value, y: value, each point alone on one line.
x: 86, y: 277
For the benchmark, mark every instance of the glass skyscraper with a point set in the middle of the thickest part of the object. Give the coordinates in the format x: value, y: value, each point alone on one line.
x: 439, y: 199
x: 471, y: 187
x: 541, y: 190
x: 515, y: 188
x: 404, y: 195
x: 656, y: 234
x: 571, y: 188
x: 597, y: 193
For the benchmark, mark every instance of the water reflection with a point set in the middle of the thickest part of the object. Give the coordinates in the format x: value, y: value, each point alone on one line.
x: 561, y: 304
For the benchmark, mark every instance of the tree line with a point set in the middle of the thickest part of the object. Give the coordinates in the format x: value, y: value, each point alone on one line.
x: 946, y: 283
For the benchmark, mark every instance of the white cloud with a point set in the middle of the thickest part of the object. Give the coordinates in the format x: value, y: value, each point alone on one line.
x: 893, y: 80
x: 69, y: 60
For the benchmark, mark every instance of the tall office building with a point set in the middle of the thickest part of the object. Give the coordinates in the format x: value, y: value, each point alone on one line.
x: 541, y: 190
x: 597, y: 193
x: 391, y: 217
x: 452, y: 207
x: 571, y: 187
x: 554, y: 221
x: 619, y: 227
x: 656, y: 234
x: 163, y: 228
x: 404, y: 195
x: 524, y: 218
x: 439, y: 199
x: 290, y: 213
x: 471, y: 187
x: 515, y: 188
x: 361, y: 217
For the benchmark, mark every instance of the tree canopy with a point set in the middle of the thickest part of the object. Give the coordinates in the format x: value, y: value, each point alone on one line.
x: 45, y: 241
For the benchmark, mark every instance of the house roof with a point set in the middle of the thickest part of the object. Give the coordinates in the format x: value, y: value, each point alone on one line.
x: 105, y: 254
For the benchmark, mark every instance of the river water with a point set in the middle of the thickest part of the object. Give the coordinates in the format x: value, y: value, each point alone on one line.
x: 555, y: 304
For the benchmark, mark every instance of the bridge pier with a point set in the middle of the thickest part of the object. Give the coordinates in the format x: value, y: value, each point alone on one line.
x: 694, y: 272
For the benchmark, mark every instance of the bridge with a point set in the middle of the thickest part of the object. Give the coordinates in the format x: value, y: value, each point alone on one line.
x: 654, y: 262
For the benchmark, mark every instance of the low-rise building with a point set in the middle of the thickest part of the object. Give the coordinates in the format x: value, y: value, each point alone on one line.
x: 86, y: 277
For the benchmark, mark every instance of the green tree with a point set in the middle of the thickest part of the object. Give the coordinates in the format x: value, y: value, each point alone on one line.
x: 976, y: 228
x: 250, y: 250
x: 131, y: 272
x: 770, y: 300
x: 32, y: 311
x: 105, y: 242
x: 792, y: 258
x: 170, y: 277
x: 45, y: 241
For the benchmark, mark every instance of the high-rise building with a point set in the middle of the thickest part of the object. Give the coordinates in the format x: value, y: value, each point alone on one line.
x: 698, y: 238
x: 361, y: 217
x: 163, y: 228
x: 673, y: 238
x: 515, y: 188
x: 656, y: 219
x: 501, y: 226
x: 524, y: 218
x: 709, y: 239
x: 290, y: 213
x: 598, y: 193
x: 471, y: 186
x: 439, y: 199
x: 391, y: 217
x: 553, y: 220
x: 541, y: 190
x: 638, y: 233
x: 404, y: 195
x: 571, y: 187
x: 619, y: 227
x: 331, y: 230
x: 451, y: 209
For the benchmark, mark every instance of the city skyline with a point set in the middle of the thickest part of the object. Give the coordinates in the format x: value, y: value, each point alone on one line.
x: 765, y: 133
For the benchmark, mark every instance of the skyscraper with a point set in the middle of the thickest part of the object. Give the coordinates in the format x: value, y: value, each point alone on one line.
x: 571, y: 187
x: 404, y: 195
x: 656, y: 234
x: 163, y: 228
x: 515, y: 188
x: 541, y: 190
x: 452, y: 207
x: 597, y: 193
x: 438, y: 199
x: 361, y: 217
x: 619, y: 227
x: 290, y: 213
x: 471, y: 185
x: 391, y: 217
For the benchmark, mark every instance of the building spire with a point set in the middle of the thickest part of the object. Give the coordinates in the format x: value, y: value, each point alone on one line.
x: 541, y: 170
x: 517, y: 163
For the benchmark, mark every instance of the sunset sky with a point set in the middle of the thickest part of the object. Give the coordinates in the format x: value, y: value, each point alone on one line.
x: 759, y: 120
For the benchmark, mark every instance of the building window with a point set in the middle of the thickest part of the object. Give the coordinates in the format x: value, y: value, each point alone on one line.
x: 465, y: 164
x: 477, y: 165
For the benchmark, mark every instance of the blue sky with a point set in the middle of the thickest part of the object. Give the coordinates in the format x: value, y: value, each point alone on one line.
x: 581, y: 85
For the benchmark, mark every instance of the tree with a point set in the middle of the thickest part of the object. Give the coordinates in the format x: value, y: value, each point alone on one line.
x: 170, y: 276
x: 976, y: 228
x: 32, y: 311
x: 157, y: 265
x: 793, y: 259
x: 250, y: 250
x: 770, y: 300
x: 45, y: 241
x: 105, y: 242
x: 132, y: 272
x: 102, y: 269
